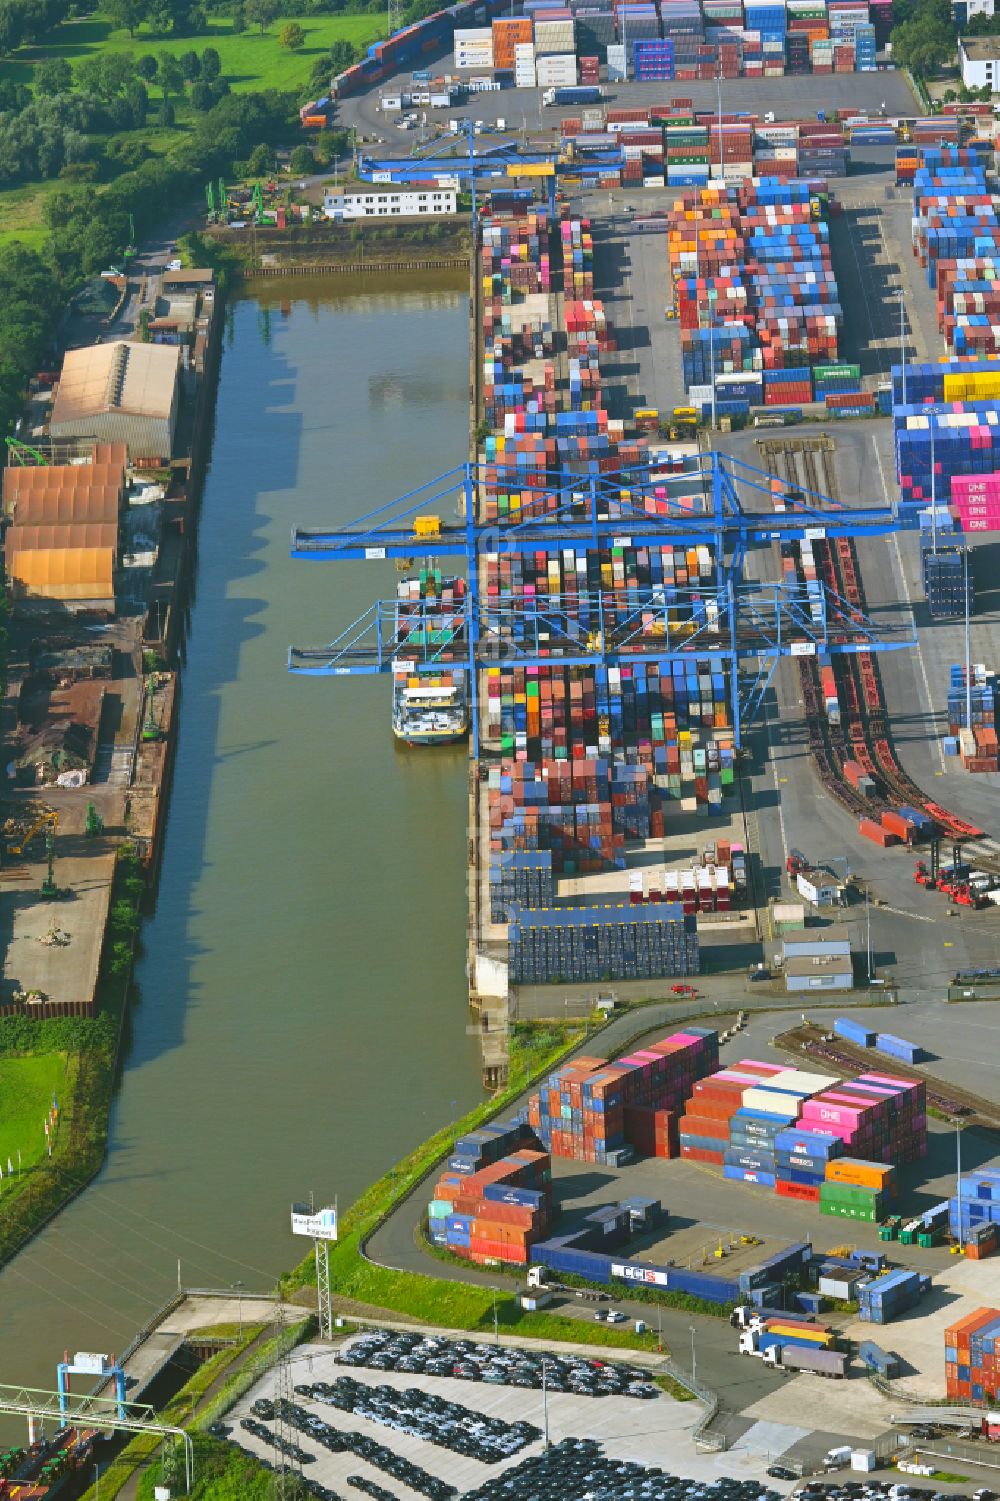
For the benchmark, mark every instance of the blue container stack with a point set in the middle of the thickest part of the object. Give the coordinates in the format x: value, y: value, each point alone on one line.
x: 898, y: 1047
x: 727, y: 351
x: 982, y: 695
x: 888, y: 1296
x: 800, y: 1158
x: 769, y: 20
x: 977, y: 1203
x: 653, y: 60
x: 638, y: 23
x: 856, y: 1032
x: 948, y: 585
x: 575, y: 944
x: 523, y: 876
x: 865, y: 49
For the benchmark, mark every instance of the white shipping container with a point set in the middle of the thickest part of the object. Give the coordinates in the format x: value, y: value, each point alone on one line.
x: 472, y: 60
x: 556, y: 72
x: 554, y: 37
x: 799, y: 1081
x: 787, y: 1106
x: 839, y: 1285
x: 616, y: 64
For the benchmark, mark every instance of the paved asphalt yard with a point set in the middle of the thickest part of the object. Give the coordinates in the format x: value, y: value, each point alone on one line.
x: 655, y: 1432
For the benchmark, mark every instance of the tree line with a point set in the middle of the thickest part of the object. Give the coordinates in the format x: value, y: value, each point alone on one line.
x: 46, y: 129
x: 89, y: 227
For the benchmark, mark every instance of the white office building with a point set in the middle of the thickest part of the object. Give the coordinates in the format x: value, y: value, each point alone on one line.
x: 368, y: 201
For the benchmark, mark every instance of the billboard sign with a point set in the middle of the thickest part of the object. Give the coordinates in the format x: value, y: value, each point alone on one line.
x: 91, y: 1364
x: 319, y: 1224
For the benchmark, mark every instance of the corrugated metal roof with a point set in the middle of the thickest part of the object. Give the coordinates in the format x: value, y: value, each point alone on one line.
x: 18, y: 483
x: 66, y: 506
x: 192, y: 274
x: 136, y: 378
x: 67, y: 573
x: 85, y: 534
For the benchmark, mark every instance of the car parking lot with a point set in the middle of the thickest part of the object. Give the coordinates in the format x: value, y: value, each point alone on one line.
x: 416, y: 1432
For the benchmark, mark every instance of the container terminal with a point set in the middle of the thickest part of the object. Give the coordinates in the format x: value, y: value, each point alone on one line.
x: 720, y: 422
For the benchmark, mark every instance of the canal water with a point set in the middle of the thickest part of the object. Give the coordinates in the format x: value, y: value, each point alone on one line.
x: 302, y: 999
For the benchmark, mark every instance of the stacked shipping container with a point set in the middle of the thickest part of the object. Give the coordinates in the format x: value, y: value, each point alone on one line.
x: 754, y: 291
x: 803, y: 1134
x: 589, y: 1107
x: 495, y: 1199
x: 972, y: 1360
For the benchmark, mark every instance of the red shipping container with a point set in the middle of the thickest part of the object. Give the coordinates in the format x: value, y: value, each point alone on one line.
x: 808, y: 1192
x: 897, y: 824
x: 875, y: 832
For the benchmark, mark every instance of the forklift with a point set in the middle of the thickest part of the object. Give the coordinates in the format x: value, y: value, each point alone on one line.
x: 953, y: 880
x: 931, y: 876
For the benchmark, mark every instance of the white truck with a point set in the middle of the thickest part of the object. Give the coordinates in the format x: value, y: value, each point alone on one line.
x: 540, y: 1277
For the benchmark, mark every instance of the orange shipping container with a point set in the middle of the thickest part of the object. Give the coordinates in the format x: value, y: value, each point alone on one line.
x: 960, y: 1333
x: 862, y: 1174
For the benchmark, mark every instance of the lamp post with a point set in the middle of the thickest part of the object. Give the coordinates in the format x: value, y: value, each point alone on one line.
x: 238, y: 1290
x: 868, y: 932
x: 694, y: 1358
x: 545, y: 1404
x: 713, y: 294
x: 933, y: 491
x: 958, y: 1185
x: 968, y: 643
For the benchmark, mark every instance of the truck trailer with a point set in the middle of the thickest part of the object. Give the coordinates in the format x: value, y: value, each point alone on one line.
x: 757, y: 1341
x: 824, y: 1362
x: 573, y: 94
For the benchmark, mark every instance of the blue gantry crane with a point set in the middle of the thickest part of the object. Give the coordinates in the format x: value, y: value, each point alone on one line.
x: 486, y: 161
x: 720, y: 501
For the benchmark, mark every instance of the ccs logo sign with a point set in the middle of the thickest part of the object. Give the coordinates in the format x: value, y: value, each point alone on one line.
x: 639, y: 1274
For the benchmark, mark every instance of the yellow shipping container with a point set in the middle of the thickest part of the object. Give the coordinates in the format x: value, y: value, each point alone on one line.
x: 977, y: 385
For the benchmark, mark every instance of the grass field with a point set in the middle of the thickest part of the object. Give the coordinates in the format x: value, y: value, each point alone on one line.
x: 26, y: 1089
x: 21, y: 213
x: 249, y: 60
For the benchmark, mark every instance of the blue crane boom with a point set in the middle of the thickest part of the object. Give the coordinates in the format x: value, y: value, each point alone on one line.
x: 717, y: 501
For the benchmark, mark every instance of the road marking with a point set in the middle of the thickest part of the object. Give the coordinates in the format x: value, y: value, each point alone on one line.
x: 906, y: 595
x: 917, y: 916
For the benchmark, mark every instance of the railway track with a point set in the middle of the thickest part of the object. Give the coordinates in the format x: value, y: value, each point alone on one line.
x: 863, y: 733
x: 942, y: 1095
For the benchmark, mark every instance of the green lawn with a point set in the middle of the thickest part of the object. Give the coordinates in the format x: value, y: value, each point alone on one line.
x: 249, y: 60
x: 26, y: 1089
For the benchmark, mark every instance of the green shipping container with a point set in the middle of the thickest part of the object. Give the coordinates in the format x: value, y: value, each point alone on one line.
x: 848, y: 1211
x: 847, y: 1193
